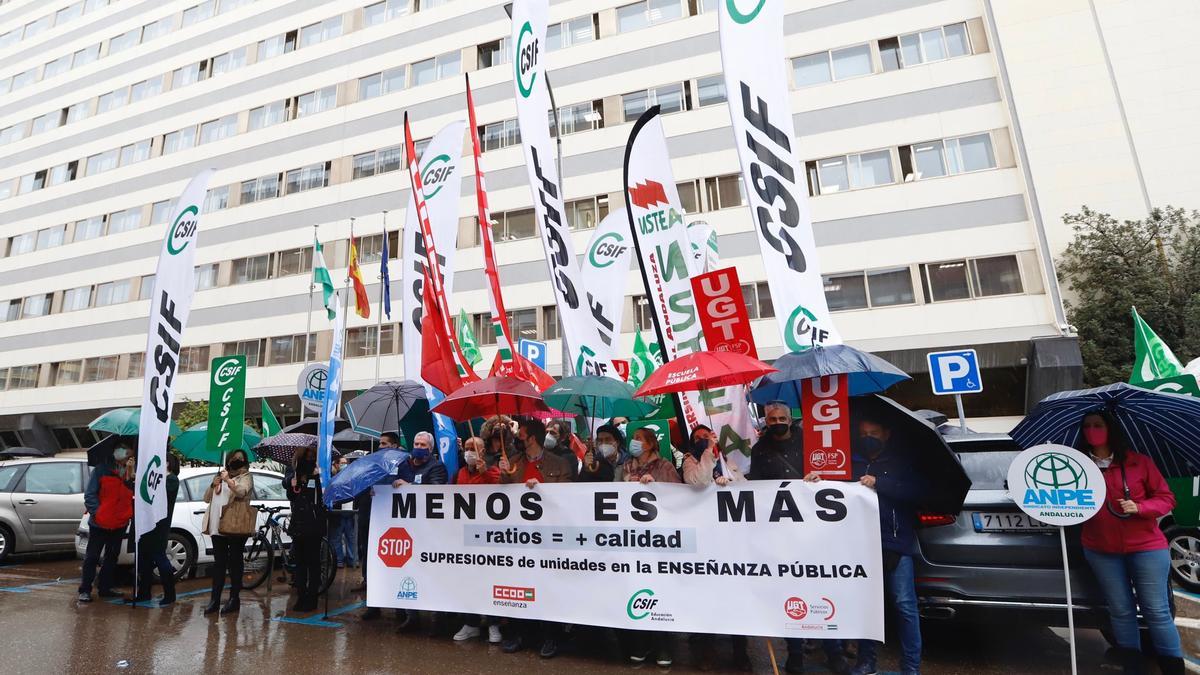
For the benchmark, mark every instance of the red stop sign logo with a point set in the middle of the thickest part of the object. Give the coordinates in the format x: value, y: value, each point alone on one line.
x: 395, y: 547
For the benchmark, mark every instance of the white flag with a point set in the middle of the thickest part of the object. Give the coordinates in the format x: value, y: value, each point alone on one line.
x: 605, y: 271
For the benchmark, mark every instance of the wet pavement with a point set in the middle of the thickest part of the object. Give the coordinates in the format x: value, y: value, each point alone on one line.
x: 44, y: 630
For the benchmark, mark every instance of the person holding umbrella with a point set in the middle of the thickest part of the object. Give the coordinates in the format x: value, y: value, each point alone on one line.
x: 602, y: 461
x: 702, y: 466
x: 229, y: 520
x: 1125, y: 547
x: 109, y: 501
x: 306, y: 525
x: 475, y: 469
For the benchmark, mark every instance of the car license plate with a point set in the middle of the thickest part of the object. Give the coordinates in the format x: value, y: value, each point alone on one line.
x: 1007, y: 522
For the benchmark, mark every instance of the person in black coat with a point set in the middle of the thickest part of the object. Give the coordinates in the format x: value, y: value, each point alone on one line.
x: 152, y: 550
x: 306, y: 525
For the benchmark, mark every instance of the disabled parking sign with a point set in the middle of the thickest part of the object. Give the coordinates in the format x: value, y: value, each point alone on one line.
x: 955, y: 372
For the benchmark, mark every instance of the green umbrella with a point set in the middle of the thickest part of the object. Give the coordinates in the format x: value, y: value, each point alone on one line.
x: 193, y: 444
x: 124, y: 422
x: 595, y: 396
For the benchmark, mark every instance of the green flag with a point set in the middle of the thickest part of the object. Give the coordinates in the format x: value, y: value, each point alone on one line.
x: 643, y: 362
x: 321, y: 278
x: 466, y: 340
x: 1152, y: 358
x: 270, y: 425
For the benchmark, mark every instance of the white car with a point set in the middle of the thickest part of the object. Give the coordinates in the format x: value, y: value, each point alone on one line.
x: 188, y: 546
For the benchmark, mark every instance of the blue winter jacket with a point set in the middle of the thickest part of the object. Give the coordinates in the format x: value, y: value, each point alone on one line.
x: 898, y: 487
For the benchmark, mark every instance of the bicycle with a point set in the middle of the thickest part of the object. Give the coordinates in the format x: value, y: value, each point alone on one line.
x: 259, y: 558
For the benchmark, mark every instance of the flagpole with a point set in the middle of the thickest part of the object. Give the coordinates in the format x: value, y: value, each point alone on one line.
x: 308, y: 326
x: 379, y: 325
x: 568, y: 368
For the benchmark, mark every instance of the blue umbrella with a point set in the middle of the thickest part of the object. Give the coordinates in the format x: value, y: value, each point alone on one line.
x: 1164, y: 426
x: 365, y: 472
x: 868, y: 374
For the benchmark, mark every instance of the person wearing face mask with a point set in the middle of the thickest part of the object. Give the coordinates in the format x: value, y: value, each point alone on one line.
x: 601, y: 462
x: 109, y: 501
x: 475, y: 470
x: 498, y: 439
x: 561, y: 441
x: 878, y: 464
x: 229, y: 520
x: 306, y: 525
x: 1126, y: 549
x: 701, y: 466
x: 646, y: 464
x: 428, y: 468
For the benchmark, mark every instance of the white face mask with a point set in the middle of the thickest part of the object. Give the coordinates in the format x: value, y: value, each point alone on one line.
x: 607, y: 450
x: 121, y: 454
x: 636, y: 448
x: 551, y: 442
x: 471, y: 458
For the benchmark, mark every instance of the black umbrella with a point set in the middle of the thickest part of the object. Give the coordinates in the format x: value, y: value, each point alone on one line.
x: 310, y: 425
x: 381, y: 407
x: 102, y: 450
x: 349, y: 439
x: 946, y: 482
x: 22, y: 452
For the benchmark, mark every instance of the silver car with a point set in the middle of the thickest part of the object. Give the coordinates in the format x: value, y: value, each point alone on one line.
x: 991, y: 562
x: 40, y: 504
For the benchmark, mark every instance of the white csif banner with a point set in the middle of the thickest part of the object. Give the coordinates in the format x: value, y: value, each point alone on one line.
x: 756, y: 84
x: 762, y: 558
x: 605, y: 270
x: 170, y: 305
x: 589, y: 353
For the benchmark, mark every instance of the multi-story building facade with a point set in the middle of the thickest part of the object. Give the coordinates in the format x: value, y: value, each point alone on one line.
x: 934, y: 135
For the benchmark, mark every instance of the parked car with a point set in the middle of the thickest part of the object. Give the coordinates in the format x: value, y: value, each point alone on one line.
x: 188, y: 546
x: 991, y: 562
x: 1182, y: 527
x: 40, y: 503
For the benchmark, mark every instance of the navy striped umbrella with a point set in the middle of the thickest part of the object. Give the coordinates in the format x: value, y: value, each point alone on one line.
x: 1164, y: 426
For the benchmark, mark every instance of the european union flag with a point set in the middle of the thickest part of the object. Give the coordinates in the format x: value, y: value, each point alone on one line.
x: 385, y: 279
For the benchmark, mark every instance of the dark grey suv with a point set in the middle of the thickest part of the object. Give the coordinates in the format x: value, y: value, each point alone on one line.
x: 990, y: 562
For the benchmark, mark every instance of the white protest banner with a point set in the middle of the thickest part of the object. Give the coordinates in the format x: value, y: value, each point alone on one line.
x: 756, y: 83
x: 605, y: 270
x: 576, y: 306
x: 442, y: 183
x: 170, y: 305
x: 797, y: 561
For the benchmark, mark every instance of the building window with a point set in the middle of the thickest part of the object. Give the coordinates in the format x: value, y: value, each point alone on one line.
x: 499, y: 135
x: 112, y: 100
x: 933, y: 159
x: 384, y: 11
x: 63, y: 173
x: 22, y: 80
x: 319, y: 32
x: 670, y: 98
x: 643, y: 313
x: 935, y: 44
x: 10, y: 310
x: 646, y: 13
x: 89, y: 229
x: 266, y: 187
x: 179, y: 140
x: 364, y: 165
x: 569, y: 33
x: 85, y: 56
x: 578, y: 117
x: 160, y: 212
x: 75, y: 299
x: 124, y: 221
x: 757, y: 298
x: 386, y: 82
x: 585, y: 214
x: 145, y: 89
x: 216, y: 199
x: 206, y: 276
x: 316, y: 101
x: 290, y: 349
x: 145, y: 287
x: 99, y: 163
x: 194, y: 359
x: 218, y: 129
x: 189, y: 74
x: 389, y: 159
x: 112, y: 293
x: 551, y: 328
x: 362, y: 341
x: 56, y: 67
x: 79, y: 112
x: 271, y: 47
x: 836, y: 64
x: 23, y: 377
x: 137, y: 365
x: 100, y: 369
x: 51, y: 237
x: 22, y: 243
x: 890, y: 287
x: 251, y: 348
x: 494, y: 53
x: 268, y: 115
x: 513, y: 225
x: 946, y: 281
x: 710, y: 90
x: 254, y: 268
x: 307, y: 178
x: 156, y: 29
x: 845, y: 291
x: 437, y: 68
x: 68, y: 372
x: 295, y: 261
x: 851, y: 172
x: 36, y: 305
x: 135, y: 152
x: 724, y: 192
x: 1000, y: 275
x: 229, y: 61
x: 124, y: 41
x: 200, y: 12
x: 230, y: 5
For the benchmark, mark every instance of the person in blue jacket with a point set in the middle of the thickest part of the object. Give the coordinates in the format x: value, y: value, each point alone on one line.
x: 880, y: 464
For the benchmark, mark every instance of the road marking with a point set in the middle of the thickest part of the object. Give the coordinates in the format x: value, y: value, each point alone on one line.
x: 319, y: 618
x: 1187, y: 594
x: 45, y: 584
x: 1182, y: 622
x: 153, y: 604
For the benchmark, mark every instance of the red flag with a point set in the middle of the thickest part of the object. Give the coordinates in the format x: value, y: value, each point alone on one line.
x: 523, y: 369
x: 437, y: 355
x: 362, y: 305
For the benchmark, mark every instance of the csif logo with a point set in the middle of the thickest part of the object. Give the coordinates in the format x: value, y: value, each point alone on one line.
x: 588, y: 364
x: 151, y: 479
x: 526, y: 60
x: 606, y: 250
x: 436, y: 173
x: 183, y: 230
x: 640, y: 604
x: 802, y: 330
x: 226, y: 372
x: 738, y: 15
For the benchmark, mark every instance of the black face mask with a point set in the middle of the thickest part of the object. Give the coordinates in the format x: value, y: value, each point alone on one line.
x: 868, y: 445
x: 778, y: 430
x: 236, y: 464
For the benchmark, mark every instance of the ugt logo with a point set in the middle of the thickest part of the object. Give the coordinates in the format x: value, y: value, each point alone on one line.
x: 526, y: 60
x: 1056, y: 479
x: 183, y: 230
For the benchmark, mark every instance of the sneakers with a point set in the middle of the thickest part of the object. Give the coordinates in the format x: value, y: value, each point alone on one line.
x: 84, y: 597
x: 512, y: 645
x: 663, y: 659
x: 549, y: 649
x: 494, y: 635
x: 466, y: 633
x: 639, y: 657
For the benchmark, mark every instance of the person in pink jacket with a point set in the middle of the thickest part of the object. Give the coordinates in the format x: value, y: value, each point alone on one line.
x: 1126, y: 549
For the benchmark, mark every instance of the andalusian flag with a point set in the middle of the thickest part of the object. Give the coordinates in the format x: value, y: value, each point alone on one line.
x: 1153, y: 359
x: 321, y: 278
x: 362, y: 306
x: 644, y: 361
x: 270, y: 425
x: 466, y: 339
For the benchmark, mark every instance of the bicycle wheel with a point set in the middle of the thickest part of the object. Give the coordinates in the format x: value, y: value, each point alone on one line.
x: 328, y: 565
x: 257, y: 562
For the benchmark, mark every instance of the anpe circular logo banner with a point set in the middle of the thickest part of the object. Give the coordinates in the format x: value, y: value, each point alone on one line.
x: 1056, y: 484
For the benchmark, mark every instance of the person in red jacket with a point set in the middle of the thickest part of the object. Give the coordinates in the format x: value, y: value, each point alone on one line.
x: 1126, y: 549
x: 109, y: 500
x: 475, y: 470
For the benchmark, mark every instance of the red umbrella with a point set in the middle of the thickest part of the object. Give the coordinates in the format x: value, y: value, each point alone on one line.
x: 703, y: 370
x: 492, y: 396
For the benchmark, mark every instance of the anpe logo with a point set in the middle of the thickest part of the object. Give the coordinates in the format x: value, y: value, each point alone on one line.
x: 743, y: 17
x: 151, y: 479
x: 606, y: 250
x: 802, y: 330
x: 408, y: 589
x: 640, y: 604
x: 395, y: 547
x: 518, y: 593
x: 1056, y: 479
x: 795, y: 608
x: 526, y: 60
x: 226, y: 372
x: 436, y: 172
x: 183, y: 229
x: 1056, y: 484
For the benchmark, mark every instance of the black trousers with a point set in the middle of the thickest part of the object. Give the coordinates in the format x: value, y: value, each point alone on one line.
x: 228, y: 558
x: 150, y: 557
x: 104, y: 544
x: 364, y: 533
x: 306, y: 549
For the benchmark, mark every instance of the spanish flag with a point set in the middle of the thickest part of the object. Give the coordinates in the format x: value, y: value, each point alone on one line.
x: 362, y: 306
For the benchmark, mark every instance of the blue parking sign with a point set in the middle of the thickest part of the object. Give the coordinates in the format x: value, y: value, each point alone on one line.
x: 534, y: 351
x: 955, y: 372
